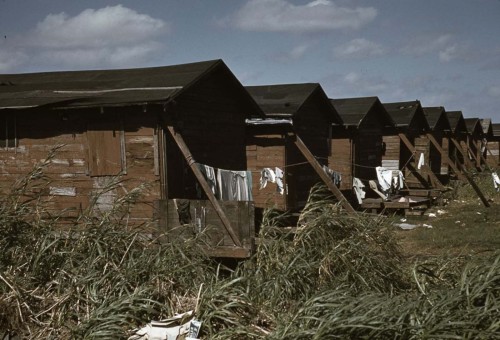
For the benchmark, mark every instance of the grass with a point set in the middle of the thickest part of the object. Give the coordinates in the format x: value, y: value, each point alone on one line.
x: 462, y: 226
x: 336, y: 276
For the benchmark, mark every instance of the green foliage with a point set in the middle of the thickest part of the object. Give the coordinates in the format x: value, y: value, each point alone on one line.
x: 333, y: 276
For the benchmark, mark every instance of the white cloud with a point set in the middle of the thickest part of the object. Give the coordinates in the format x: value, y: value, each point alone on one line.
x: 283, y: 16
x: 119, y: 56
x: 427, y: 43
x: 363, y: 85
x: 445, y: 46
x: 358, y: 48
x: 116, y: 25
x: 110, y: 37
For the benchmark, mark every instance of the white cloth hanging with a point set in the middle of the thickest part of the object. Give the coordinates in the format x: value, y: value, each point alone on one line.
x: 384, y: 178
x: 496, y: 181
x: 421, y: 161
x: 358, y: 189
x: 266, y: 175
x: 279, y: 180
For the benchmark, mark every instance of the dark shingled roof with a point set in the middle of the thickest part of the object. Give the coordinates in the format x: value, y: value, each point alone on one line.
x: 100, y: 87
x: 454, y: 117
x: 434, y: 114
x: 285, y: 100
x: 472, y: 124
x: 486, y: 125
x: 402, y: 113
x: 354, y: 110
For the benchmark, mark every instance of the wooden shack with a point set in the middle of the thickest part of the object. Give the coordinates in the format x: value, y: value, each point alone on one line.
x: 148, y: 125
x: 487, y: 127
x: 356, y: 147
x: 494, y: 147
x: 474, y: 141
x: 439, y: 132
x: 458, y: 151
x: 293, y: 139
x: 407, y: 142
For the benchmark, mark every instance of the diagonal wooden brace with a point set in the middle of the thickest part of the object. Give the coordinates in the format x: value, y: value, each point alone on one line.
x: 206, y: 188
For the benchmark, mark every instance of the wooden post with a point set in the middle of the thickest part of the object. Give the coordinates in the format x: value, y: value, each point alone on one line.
x: 446, y: 158
x: 469, y: 179
x: 206, y: 188
x: 322, y: 174
x: 426, y: 168
x: 465, y: 156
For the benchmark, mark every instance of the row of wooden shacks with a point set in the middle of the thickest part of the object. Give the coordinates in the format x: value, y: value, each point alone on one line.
x: 215, y: 153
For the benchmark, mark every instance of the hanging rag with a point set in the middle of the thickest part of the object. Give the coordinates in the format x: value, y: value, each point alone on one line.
x: 421, y: 161
x: 397, y: 179
x: 209, y: 173
x: 234, y: 185
x: 279, y: 180
x: 384, y: 178
x: 358, y: 189
x: 266, y: 175
x: 335, y: 176
x: 496, y: 181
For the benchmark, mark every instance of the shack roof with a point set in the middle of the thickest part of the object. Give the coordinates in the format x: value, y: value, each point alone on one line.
x: 405, y: 113
x: 456, y: 120
x: 487, y: 127
x: 473, y: 125
x: 436, y: 115
x: 119, y: 87
x: 354, y: 110
x: 286, y: 100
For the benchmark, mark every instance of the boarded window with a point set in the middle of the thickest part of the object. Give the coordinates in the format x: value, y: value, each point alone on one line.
x: 105, y: 142
x: 8, y: 133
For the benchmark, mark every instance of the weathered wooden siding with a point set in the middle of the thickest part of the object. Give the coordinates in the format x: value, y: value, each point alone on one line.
x: 266, y: 150
x: 340, y: 159
x: 445, y: 145
x: 71, y: 182
x: 391, y: 155
x: 493, y: 157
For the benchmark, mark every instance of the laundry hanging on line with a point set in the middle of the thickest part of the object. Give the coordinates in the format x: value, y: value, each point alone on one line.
x: 234, y: 185
x: 358, y: 189
x: 496, y: 181
x: 421, y: 161
x: 228, y: 185
x: 389, y: 180
x: 334, y: 175
x: 273, y: 176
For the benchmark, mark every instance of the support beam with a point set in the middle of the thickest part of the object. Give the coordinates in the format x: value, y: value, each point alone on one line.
x: 458, y: 146
x: 426, y: 168
x: 469, y: 179
x: 445, y: 156
x: 322, y: 174
x: 206, y: 188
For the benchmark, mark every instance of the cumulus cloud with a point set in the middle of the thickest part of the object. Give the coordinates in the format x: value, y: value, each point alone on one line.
x: 445, y: 46
x: 113, y: 36
x: 112, y: 25
x: 358, y: 48
x: 363, y: 85
x: 283, y: 16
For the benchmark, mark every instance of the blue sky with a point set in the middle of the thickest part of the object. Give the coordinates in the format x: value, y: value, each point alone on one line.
x: 442, y: 52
